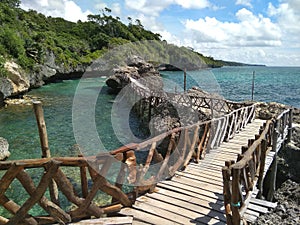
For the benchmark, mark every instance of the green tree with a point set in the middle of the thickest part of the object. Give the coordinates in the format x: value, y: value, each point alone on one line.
x: 11, y: 3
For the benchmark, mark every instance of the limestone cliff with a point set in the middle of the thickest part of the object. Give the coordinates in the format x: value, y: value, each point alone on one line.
x: 17, y: 81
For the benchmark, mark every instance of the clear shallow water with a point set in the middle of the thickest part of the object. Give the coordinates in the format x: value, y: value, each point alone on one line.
x: 272, y: 84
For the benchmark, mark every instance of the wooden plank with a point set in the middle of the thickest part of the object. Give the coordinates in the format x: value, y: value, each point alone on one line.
x: 258, y: 208
x: 124, y: 220
x: 212, y: 169
x: 253, y: 213
x: 163, y: 212
x: 200, y: 178
x: 182, y: 215
x: 250, y: 218
x: 198, y: 206
x: 199, y: 189
x: 137, y: 222
x: 270, y: 205
x: 204, y: 174
x: 198, y: 184
x: 206, y: 164
x: 163, y: 189
x: 190, y: 197
x: 145, y: 216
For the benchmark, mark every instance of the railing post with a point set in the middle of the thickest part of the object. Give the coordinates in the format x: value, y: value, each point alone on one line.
x: 264, y: 146
x: 184, y: 80
x: 289, y: 137
x: 39, y: 114
x: 235, y: 197
x: 274, y: 167
x: 227, y: 194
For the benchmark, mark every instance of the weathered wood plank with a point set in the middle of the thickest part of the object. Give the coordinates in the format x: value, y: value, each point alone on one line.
x: 147, y: 216
x: 178, y: 213
x: 202, y: 207
x: 270, y: 205
x: 124, y: 220
x: 200, y: 178
x: 202, y: 195
x: 199, y: 189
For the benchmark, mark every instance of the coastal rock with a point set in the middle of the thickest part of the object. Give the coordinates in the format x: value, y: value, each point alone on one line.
x: 4, y: 153
x: 15, y: 83
x: 136, y: 69
x: 266, y: 111
x: 287, y: 210
x: 18, y: 81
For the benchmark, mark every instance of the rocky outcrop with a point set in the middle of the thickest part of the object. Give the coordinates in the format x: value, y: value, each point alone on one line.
x: 137, y: 69
x: 4, y: 153
x: 16, y: 82
x: 287, y: 210
x: 270, y: 110
x: 19, y: 81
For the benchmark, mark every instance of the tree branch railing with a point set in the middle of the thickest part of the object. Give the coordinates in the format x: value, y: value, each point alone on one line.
x: 149, y: 99
x: 166, y: 153
x: 240, y: 178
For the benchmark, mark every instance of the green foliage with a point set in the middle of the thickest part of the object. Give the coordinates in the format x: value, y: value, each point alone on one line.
x: 3, y: 72
x: 11, y: 3
x: 28, y: 36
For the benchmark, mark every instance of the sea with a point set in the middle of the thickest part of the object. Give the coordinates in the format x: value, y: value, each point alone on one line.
x: 18, y: 124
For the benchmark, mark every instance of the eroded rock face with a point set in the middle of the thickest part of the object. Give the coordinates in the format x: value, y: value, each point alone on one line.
x: 18, y: 81
x: 137, y: 69
x: 287, y: 210
x: 267, y: 111
x: 15, y: 83
x: 4, y: 153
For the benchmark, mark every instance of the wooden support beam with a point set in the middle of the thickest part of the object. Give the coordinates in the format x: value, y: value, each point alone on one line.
x: 55, y: 211
x: 40, y: 190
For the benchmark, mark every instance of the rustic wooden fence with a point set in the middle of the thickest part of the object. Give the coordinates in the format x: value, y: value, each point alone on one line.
x: 240, y: 178
x: 146, y: 100
x: 166, y: 153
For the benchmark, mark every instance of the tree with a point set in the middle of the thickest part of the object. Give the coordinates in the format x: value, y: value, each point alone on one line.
x: 11, y: 3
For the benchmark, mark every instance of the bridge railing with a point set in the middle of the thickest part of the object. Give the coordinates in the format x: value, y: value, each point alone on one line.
x: 146, y: 101
x: 240, y: 178
x: 165, y: 154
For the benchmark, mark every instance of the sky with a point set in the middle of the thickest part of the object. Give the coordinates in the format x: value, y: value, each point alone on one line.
x: 249, y: 31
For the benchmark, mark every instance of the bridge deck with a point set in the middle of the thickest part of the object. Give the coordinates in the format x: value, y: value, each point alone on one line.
x: 195, y: 195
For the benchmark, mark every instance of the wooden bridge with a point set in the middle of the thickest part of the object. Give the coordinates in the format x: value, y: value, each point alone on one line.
x: 209, y: 173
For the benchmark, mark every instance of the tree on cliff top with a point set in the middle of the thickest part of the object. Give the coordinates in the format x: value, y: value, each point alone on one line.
x: 11, y: 3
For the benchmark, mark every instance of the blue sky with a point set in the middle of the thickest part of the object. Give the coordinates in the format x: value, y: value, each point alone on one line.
x: 250, y: 31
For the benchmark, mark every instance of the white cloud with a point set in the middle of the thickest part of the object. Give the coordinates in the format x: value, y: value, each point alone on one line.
x: 288, y: 19
x: 251, y: 30
x: 66, y: 9
x: 244, y: 3
x: 192, y: 4
x: 154, y: 7
x: 116, y: 9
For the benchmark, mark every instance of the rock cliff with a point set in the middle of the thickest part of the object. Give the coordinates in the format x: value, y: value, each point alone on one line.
x: 19, y: 81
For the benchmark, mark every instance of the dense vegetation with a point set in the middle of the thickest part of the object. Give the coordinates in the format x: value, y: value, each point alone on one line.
x: 27, y: 36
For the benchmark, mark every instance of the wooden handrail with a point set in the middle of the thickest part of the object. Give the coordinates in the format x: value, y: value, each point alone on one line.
x: 249, y: 167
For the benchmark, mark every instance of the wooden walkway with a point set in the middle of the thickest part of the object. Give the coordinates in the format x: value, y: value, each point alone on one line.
x: 195, y: 195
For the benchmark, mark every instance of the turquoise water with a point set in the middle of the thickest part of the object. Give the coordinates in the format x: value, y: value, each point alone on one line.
x: 272, y: 84
x: 18, y: 125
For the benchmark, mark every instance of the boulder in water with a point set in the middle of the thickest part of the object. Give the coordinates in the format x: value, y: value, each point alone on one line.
x: 4, y: 153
